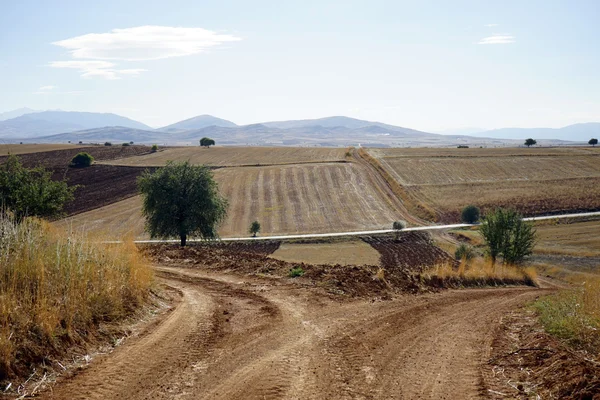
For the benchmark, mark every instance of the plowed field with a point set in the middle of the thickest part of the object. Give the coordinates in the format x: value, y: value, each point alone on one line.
x: 309, y: 198
x: 535, y: 181
x: 236, y: 156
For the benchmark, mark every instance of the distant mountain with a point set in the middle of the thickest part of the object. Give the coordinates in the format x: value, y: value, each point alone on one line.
x: 16, y: 113
x: 113, y: 134
x: 199, y: 122
x: 330, y: 122
x: 461, y: 131
x: 577, y: 132
x: 54, y: 122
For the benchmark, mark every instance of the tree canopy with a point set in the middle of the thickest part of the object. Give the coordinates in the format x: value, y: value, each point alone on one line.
x: 593, y: 141
x: 470, y: 214
x: 181, y: 200
x: 530, y: 142
x: 206, y: 142
x: 82, y: 160
x: 254, y: 228
x: 31, y: 192
x: 507, y: 235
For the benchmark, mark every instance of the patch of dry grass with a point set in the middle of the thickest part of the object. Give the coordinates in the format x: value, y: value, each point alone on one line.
x: 56, y: 289
x: 344, y: 253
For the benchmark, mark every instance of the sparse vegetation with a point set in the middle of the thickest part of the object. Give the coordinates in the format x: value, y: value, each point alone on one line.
x: 182, y: 200
x: 462, y: 146
x: 82, y: 160
x: 530, y: 142
x: 31, y: 192
x: 507, y: 235
x: 398, y: 226
x: 125, y: 144
x: 206, y: 142
x: 154, y: 148
x: 464, y: 253
x: 470, y: 214
x: 296, y: 272
x: 56, y: 290
x: 254, y: 228
x: 107, y: 143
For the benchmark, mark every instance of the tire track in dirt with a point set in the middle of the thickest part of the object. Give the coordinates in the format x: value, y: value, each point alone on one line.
x: 234, y: 337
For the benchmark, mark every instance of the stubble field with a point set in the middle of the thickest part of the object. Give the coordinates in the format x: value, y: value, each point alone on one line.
x: 307, y: 198
x: 535, y: 181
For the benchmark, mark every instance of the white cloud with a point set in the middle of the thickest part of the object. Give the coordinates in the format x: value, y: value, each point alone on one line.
x: 102, y: 69
x: 47, y: 88
x: 497, y: 39
x: 491, y: 25
x: 143, y: 43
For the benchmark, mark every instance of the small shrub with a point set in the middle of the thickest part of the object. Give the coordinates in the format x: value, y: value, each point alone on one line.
x: 80, y: 142
x: 464, y: 252
x: 107, y: 143
x: 254, y: 228
x: 131, y: 142
x: 82, y: 160
x: 462, y: 146
x: 154, y: 148
x: 470, y: 214
x: 125, y: 144
x: 296, y: 272
x: 398, y: 226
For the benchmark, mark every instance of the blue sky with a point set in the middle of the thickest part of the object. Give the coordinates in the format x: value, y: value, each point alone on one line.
x: 429, y: 65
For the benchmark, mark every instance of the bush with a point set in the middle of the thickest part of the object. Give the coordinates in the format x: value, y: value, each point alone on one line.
x: 154, y: 148
x: 57, y: 290
x: 296, y: 272
x: 31, y: 192
x: 82, y: 160
x: 507, y: 235
x: 470, y: 214
x: 398, y: 226
x: 254, y: 228
x: 125, y: 144
x: 464, y: 252
x: 462, y: 146
x: 107, y: 143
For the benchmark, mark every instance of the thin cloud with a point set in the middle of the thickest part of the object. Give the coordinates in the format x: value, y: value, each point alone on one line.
x: 490, y: 25
x: 47, y: 88
x: 143, y: 43
x: 497, y: 39
x: 92, y: 68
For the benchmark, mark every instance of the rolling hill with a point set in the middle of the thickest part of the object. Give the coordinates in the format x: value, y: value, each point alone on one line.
x: 199, y: 122
x: 46, y: 123
x: 16, y: 113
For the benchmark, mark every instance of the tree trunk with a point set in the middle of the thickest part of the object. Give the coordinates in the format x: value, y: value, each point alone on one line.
x: 183, y: 238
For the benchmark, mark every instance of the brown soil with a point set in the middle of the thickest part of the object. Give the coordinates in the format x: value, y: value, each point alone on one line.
x: 527, y: 363
x: 242, y: 337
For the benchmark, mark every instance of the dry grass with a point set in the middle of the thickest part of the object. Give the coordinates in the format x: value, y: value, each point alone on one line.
x: 533, y: 180
x: 56, y: 290
x: 5, y: 149
x: 308, y: 198
x: 236, y: 156
x: 343, y: 253
x: 576, y: 238
x: 479, y: 272
x: 574, y: 315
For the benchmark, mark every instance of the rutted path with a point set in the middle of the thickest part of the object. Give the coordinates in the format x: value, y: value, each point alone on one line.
x: 233, y: 337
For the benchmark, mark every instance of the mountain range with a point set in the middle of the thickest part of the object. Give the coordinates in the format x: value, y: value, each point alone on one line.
x: 63, y: 126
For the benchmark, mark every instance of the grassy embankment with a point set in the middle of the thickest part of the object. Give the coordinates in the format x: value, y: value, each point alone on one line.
x: 59, y: 291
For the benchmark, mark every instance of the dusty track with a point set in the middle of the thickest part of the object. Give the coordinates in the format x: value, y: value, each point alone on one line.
x: 234, y: 337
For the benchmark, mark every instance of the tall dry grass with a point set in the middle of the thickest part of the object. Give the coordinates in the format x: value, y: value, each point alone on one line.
x: 56, y: 289
x: 574, y: 315
x: 479, y: 272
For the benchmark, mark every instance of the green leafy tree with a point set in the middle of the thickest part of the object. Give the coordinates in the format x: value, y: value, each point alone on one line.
x: 206, y: 142
x: 593, y: 142
x: 398, y: 226
x: 181, y: 200
x: 254, y: 228
x: 107, y: 143
x: 507, y: 235
x: 470, y: 214
x: 154, y: 148
x: 530, y: 142
x: 31, y: 192
x: 82, y: 160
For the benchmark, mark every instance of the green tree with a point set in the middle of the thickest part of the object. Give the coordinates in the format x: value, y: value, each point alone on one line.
x: 398, y: 226
x: 507, y: 235
x: 470, y: 214
x: 254, y: 228
x: 207, y: 142
x: 82, y: 160
x: 530, y: 142
x: 31, y: 192
x: 593, y: 142
x: 181, y: 200
x: 107, y: 143
x: 154, y: 148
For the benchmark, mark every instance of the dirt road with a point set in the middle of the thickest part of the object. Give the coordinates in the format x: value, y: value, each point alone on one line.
x: 233, y: 337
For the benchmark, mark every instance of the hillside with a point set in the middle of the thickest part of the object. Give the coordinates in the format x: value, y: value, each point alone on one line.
x: 577, y: 132
x: 54, y: 122
x: 16, y: 113
x: 199, y: 122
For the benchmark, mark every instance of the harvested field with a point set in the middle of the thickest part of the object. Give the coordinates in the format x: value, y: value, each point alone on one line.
x: 237, y: 156
x: 413, y: 251
x: 285, y: 200
x: 535, y: 181
x: 344, y: 253
x: 16, y: 149
x: 574, y: 238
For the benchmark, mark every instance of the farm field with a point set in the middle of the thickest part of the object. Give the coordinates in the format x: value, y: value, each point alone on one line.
x: 576, y: 238
x: 5, y: 149
x: 236, y: 156
x: 307, y: 198
x: 535, y: 181
x: 353, y: 252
